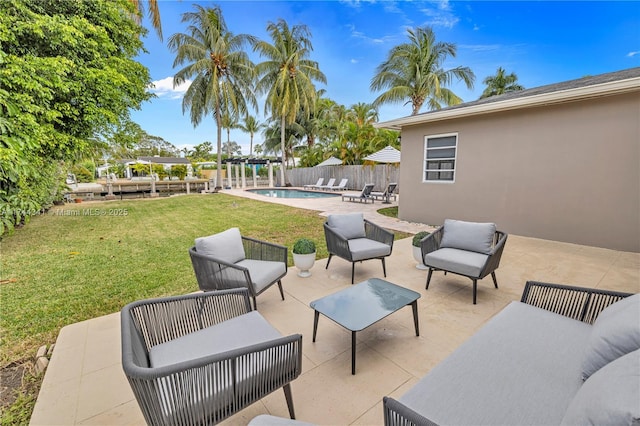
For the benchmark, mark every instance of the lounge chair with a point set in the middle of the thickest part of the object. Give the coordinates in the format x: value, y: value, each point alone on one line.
x: 387, y: 194
x: 229, y: 260
x: 317, y: 185
x: 355, y: 239
x: 200, y: 358
x: 342, y: 186
x: 329, y: 184
x: 363, y: 197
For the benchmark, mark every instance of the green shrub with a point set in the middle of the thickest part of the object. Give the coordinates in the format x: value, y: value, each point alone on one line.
x: 304, y: 246
x: 419, y: 236
x: 179, y: 170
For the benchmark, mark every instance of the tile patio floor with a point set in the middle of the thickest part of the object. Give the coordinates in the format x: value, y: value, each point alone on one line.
x: 84, y: 383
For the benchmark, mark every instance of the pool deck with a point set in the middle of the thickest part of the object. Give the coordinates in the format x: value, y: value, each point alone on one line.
x: 85, y: 385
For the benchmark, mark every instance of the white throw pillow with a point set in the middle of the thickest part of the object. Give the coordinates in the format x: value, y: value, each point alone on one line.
x: 226, y: 246
x: 615, y: 332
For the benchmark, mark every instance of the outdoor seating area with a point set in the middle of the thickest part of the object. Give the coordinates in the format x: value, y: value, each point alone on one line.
x: 85, y: 382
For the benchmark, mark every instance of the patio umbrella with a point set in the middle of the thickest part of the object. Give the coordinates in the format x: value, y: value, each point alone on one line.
x: 386, y: 155
x: 331, y: 161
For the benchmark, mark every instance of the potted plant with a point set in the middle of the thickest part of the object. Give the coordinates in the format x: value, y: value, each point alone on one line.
x: 304, y: 256
x: 417, y: 252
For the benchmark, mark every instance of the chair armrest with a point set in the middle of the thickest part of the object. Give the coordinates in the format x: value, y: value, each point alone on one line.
x: 398, y: 414
x: 378, y: 233
x: 262, y: 250
x: 216, y: 274
x: 431, y: 242
x: 336, y: 243
x: 493, y: 261
x: 579, y: 303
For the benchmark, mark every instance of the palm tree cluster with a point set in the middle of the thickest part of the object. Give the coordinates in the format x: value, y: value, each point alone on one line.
x: 226, y: 83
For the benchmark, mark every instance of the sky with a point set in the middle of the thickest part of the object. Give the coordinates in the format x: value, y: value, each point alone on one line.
x: 542, y: 42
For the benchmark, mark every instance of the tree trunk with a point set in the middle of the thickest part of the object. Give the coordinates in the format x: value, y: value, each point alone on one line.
x: 219, y: 157
x: 283, y: 164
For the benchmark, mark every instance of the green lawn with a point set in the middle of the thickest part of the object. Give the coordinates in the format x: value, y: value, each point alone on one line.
x: 61, y: 268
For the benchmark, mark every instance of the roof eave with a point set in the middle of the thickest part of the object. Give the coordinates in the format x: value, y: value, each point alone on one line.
x: 557, y: 97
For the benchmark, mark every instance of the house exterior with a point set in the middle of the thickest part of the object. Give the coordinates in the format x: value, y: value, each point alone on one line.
x: 558, y: 162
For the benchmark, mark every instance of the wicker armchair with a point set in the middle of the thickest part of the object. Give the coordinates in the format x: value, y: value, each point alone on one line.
x: 355, y: 239
x: 200, y: 358
x: 471, y: 249
x: 228, y: 260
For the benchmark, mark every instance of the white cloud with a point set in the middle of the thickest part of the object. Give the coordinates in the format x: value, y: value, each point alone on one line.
x: 632, y: 54
x: 354, y: 61
x: 481, y: 47
x: 373, y: 40
x: 164, y: 88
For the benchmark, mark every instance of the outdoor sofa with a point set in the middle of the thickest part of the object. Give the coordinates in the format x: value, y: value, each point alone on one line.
x: 562, y: 355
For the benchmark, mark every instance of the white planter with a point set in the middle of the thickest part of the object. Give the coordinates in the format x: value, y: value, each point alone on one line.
x: 417, y: 255
x: 304, y: 262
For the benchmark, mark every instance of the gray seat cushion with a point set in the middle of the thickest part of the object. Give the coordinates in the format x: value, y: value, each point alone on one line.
x: 226, y: 379
x: 522, y: 367
x: 471, y: 236
x: 616, y: 332
x: 263, y: 272
x: 462, y: 262
x: 610, y: 397
x: 226, y: 246
x: 238, y: 332
x: 347, y: 225
x: 364, y: 248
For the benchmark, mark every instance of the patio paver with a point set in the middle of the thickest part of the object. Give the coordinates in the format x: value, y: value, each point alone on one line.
x: 84, y: 383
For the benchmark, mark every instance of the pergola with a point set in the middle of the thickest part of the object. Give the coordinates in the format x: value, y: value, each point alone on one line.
x: 241, y: 181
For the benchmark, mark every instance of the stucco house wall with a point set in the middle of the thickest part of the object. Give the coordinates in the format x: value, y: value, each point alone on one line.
x: 566, y: 172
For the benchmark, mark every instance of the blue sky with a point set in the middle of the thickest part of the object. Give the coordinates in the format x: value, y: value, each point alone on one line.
x: 543, y: 42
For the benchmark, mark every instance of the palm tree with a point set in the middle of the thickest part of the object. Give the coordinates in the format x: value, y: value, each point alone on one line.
x: 500, y: 83
x: 222, y: 73
x: 413, y: 73
x: 229, y: 121
x: 287, y: 75
x: 153, y: 12
x: 250, y: 125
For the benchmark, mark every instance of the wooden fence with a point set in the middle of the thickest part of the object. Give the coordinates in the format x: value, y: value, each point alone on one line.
x: 358, y: 176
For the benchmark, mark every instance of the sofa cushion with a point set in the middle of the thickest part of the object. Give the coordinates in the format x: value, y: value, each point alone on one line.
x: 611, y: 396
x: 263, y: 272
x: 226, y: 246
x: 471, y: 236
x: 522, y: 367
x: 616, y: 332
x: 459, y: 261
x: 348, y: 225
x: 364, y: 248
x: 238, y: 332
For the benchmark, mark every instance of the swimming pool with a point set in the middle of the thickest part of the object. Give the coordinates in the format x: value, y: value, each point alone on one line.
x: 292, y: 193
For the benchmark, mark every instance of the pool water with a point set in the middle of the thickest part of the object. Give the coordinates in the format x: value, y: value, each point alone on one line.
x: 292, y: 193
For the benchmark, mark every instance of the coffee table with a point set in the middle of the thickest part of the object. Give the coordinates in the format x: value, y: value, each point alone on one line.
x: 363, y: 304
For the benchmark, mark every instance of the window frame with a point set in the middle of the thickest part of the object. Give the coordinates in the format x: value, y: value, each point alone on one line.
x: 454, y: 158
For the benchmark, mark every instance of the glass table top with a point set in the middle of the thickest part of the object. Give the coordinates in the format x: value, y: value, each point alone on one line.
x: 357, y: 307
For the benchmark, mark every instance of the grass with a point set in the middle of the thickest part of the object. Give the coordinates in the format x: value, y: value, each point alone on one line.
x: 389, y: 211
x: 83, y: 261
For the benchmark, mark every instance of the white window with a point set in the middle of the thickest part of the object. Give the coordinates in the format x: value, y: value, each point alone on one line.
x: 440, y: 158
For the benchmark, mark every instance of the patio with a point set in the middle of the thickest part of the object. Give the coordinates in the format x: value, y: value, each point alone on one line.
x: 85, y: 384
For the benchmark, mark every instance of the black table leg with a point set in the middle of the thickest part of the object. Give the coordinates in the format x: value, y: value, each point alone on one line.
x: 414, y: 306
x: 316, y: 314
x: 353, y: 352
